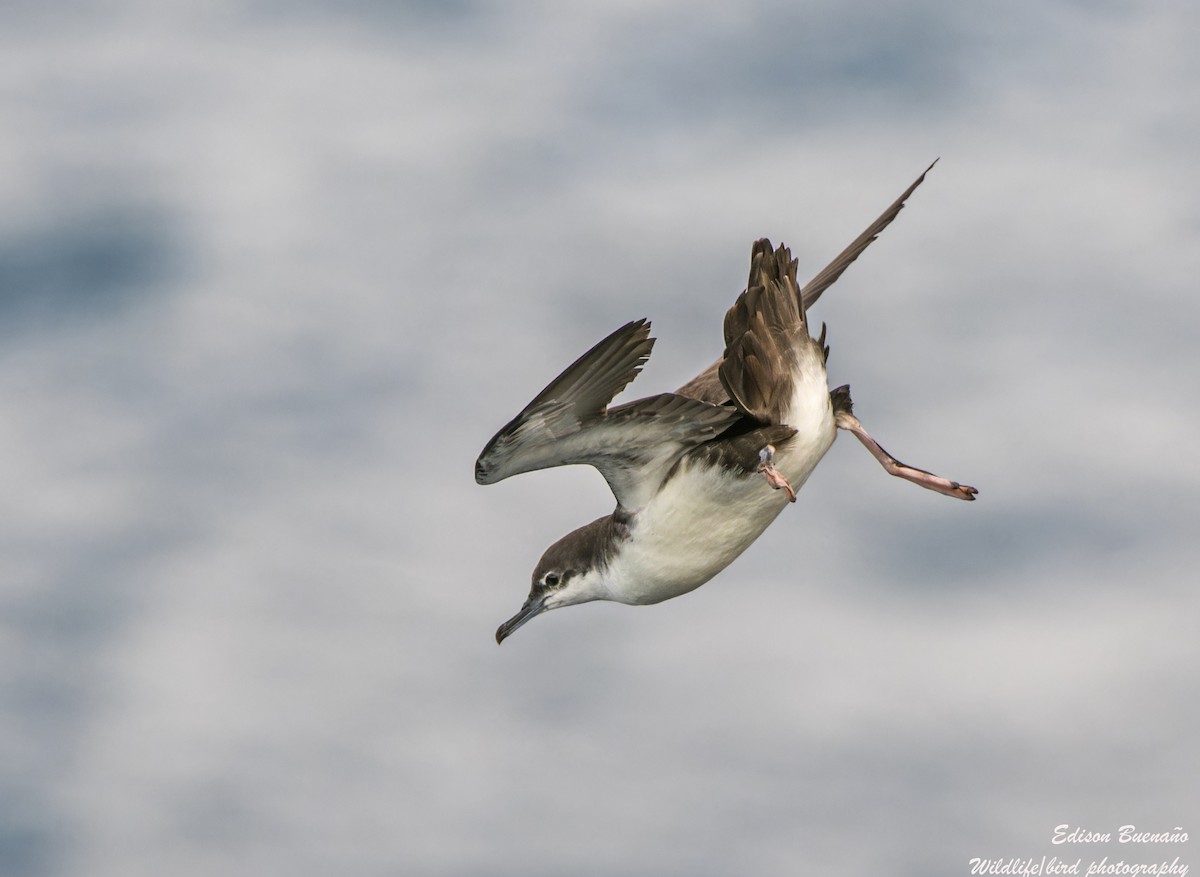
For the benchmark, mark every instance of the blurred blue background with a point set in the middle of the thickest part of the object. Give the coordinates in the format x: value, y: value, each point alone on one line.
x: 272, y: 273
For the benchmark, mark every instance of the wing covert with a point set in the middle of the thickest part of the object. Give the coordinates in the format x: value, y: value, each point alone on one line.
x: 632, y: 445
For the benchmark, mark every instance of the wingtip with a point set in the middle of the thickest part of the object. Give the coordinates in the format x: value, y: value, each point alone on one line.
x: 904, y: 198
x: 639, y: 331
x: 828, y: 275
x: 921, y: 178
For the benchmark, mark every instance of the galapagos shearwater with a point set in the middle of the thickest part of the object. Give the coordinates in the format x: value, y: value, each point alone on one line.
x: 700, y: 473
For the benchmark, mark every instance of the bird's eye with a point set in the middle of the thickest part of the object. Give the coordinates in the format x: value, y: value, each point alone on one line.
x: 551, y: 580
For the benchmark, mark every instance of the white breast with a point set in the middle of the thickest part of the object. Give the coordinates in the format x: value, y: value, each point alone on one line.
x: 704, y: 517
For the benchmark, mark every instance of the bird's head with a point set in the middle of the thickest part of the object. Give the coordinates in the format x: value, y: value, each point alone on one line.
x: 573, y: 570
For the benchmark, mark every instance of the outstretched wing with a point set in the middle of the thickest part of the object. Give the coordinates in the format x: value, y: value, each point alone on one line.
x: 831, y: 272
x: 633, y: 445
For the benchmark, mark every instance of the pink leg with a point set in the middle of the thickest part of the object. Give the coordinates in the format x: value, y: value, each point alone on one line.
x: 774, y: 476
x: 893, y: 466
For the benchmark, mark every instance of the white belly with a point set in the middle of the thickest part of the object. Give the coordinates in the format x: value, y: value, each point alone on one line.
x: 704, y: 517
